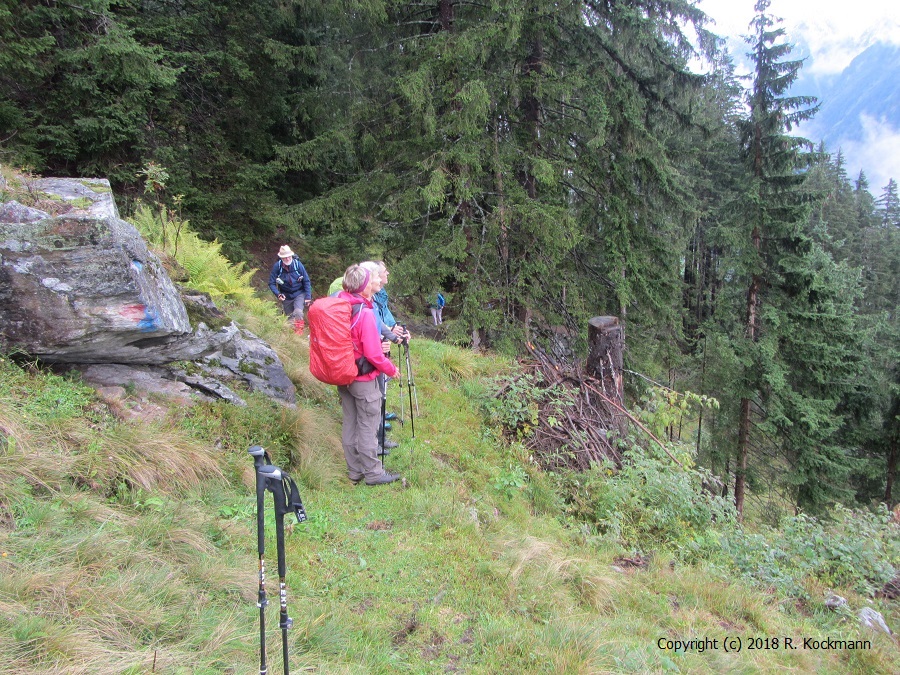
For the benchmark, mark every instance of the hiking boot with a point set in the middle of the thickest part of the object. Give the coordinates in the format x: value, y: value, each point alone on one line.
x: 382, y: 452
x: 383, y: 479
x: 355, y: 481
x: 390, y: 416
x: 387, y: 426
x: 390, y: 445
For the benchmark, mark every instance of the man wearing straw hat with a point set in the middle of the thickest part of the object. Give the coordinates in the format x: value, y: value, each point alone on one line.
x: 290, y: 283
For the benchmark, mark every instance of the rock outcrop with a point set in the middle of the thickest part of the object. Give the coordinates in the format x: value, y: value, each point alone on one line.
x: 82, y: 287
x: 79, y: 286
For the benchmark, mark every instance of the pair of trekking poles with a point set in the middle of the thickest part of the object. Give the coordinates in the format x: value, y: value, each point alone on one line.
x: 411, y: 387
x: 286, y: 497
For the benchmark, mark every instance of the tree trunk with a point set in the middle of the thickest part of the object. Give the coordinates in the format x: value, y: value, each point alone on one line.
x: 445, y: 12
x: 893, y: 439
x: 606, y: 344
x: 891, y: 472
x: 531, y: 109
x: 740, y: 474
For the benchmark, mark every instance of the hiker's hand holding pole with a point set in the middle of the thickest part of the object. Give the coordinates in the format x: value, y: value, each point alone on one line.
x: 401, y: 332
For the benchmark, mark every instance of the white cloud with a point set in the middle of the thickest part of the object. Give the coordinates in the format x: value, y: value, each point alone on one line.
x: 835, y: 31
x: 877, y: 154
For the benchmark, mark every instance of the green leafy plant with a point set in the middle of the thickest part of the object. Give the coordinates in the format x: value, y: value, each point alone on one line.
x: 854, y: 549
x: 648, y: 504
x: 665, y: 410
x: 513, y: 404
x: 240, y: 511
x: 209, y: 271
x: 511, y: 480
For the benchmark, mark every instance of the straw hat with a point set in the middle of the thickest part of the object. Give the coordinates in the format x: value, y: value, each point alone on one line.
x: 285, y: 252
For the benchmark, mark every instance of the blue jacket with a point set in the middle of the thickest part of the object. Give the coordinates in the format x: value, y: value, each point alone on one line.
x: 295, y: 280
x: 380, y: 299
x: 385, y: 318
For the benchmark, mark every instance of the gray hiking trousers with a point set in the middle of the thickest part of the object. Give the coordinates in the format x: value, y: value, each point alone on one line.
x: 361, y: 403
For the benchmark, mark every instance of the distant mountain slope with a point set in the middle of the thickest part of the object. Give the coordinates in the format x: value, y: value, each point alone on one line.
x: 868, y: 86
x: 860, y: 113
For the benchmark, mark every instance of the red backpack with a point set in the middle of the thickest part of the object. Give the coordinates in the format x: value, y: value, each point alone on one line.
x: 330, y: 345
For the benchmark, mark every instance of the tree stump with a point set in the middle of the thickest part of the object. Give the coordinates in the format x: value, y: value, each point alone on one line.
x: 606, y: 342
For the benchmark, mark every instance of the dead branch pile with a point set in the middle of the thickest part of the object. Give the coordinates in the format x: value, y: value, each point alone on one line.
x: 576, y: 421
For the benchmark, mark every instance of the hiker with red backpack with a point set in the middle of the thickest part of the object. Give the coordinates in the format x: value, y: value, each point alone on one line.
x: 291, y: 285
x: 345, y: 350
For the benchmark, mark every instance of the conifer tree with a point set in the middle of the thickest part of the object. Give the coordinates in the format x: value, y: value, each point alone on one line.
x: 531, y: 154
x: 833, y: 216
x: 204, y: 89
x: 718, y: 173
x: 889, y: 205
x: 792, y: 354
x: 882, y: 302
x: 847, y: 223
x: 77, y: 89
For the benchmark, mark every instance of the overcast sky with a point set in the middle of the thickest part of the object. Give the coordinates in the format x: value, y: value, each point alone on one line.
x: 835, y: 32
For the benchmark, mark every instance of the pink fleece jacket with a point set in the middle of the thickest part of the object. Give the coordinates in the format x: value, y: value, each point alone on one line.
x: 367, y: 339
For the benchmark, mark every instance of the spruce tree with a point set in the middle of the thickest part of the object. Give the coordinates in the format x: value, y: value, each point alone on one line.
x: 792, y: 354
x: 847, y: 222
x: 77, y: 89
x: 530, y: 156
x: 889, y: 205
x: 205, y: 89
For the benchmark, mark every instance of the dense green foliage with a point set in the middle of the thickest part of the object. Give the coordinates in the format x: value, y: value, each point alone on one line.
x: 533, y: 155
x: 783, y: 331
x: 540, y: 162
x: 204, y: 89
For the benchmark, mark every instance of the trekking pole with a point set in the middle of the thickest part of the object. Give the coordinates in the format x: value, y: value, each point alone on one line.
x: 275, y: 485
x: 280, y: 484
x: 259, y: 456
x: 400, y: 383
x: 410, y: 385
x: 409, y: 374
x: 382, y: 382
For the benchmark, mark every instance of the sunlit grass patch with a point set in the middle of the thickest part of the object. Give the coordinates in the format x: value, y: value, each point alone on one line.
x: 315, y: 452
x: 106, y: 595
x: 26, y: 461
x: 458, y: 364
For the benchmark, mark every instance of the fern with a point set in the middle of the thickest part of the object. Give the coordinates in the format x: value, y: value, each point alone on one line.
x: 208, y: 270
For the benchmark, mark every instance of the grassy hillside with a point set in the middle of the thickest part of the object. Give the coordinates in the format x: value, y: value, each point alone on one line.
x: 128, y: 544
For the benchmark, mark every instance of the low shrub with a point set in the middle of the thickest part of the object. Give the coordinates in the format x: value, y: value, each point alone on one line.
x: 513, y: 404
x: 648, y: 504
x: 849, y: 548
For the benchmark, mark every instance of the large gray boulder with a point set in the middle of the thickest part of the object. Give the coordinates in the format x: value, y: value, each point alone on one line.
x: 78, y: 286
x: 82, y: 287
